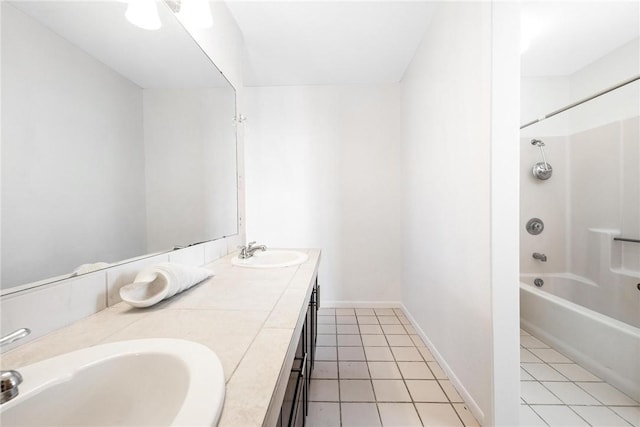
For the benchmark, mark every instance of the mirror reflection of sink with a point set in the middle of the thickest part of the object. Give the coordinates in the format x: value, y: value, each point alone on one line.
x: 271, y: 259
x: 150, y: 382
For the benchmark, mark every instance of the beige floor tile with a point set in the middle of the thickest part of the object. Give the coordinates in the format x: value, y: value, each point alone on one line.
x: 607, y: 394
x: 399, y: 415
x: 326, y: 320
x: 384, y: 370
x: 549, y: 355
x: 375, y: 341
x: 368, y: 320
x: 325, y: 370
x: 406, y: 354
x: 356, y: 391
x: 378, y: 354
x: 326, y: 353
x: 403, y: 320
x: 323, y: 414
x: 438, y: 414
x: 350, y: 353
x: 426, y: 354
x: 574, y: 372
x: 415, y: 371
x: 326, y: 340
x: 349, y: 341
x: 417, y: 341
x: 327, y: 312
x: 384, y: 311
x: 426, y: 391
x: 600, y: 416
x: 410, y: 329
x: 437, y: 371
x: 347, y: 329
x: 450, y: 391
x: 391, y: 391
x: 346, y: 320
x: 326, y: 329
x: 394, y: 329
x: 359, y: 415
x: 388, y: 320
x: 324, y: 391
x: 371, y: 329
x: 365, y: 312
x: 345, y: 312
x: 353, y: 370
x: 465, y: 414
x: 400, y: 341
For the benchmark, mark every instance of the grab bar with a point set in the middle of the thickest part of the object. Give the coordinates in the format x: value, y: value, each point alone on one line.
x: 624, y: 239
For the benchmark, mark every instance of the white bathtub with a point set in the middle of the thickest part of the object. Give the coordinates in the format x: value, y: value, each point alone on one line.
x: 607, y: 347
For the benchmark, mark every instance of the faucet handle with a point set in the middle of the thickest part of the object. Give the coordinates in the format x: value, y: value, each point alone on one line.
x: 14, y: 336
x: 9, y: 382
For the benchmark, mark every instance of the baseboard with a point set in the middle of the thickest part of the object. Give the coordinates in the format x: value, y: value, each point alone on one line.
x: 469, y: 401
x: 360, y: 304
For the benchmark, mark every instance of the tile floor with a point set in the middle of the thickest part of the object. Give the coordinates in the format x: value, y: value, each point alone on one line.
x: 372, y: 369
x: 555, y: 391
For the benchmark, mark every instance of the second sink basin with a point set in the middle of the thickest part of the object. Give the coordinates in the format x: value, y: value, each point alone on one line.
x: 151, y: 382
x: 271, y: 259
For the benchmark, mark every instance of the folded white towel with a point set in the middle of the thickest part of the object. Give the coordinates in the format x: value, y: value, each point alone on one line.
x: 161, y: 281
x: 88, y: 268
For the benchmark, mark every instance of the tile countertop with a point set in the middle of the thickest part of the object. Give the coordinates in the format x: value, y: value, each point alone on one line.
x: 249, y: 317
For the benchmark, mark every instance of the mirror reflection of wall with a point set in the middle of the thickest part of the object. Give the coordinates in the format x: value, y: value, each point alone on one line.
x: 116, y: 142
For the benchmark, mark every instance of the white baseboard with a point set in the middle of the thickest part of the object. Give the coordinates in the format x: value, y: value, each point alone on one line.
x: 471, y: 404
x: 360, y: 304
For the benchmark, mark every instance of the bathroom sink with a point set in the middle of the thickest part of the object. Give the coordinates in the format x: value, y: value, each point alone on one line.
x: 150, y: 382
x: 271, y: 259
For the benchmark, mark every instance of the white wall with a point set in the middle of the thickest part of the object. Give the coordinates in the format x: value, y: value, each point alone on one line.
x: 42, y: 158
x: 324, y: 170
x: 460, y: 259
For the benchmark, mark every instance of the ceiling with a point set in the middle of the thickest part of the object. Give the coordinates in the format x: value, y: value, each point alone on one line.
x: 297, y: 42
x: 329, y: 42
x: 568, y: 35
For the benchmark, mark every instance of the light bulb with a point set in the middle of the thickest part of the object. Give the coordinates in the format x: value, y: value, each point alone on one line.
x: 195, y: 14
x: 143, y: 14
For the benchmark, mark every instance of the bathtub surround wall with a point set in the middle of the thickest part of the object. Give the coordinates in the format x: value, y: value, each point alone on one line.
x: 594, y: 192
x: 55, y: 305
x: 324, y: 170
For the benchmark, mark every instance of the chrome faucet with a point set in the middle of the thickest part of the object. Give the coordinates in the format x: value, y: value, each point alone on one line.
x: 250, y: 249
x: 540, y: 257
x: 10, y: 380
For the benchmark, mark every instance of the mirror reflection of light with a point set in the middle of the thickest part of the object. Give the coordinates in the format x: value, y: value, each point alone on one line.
x: 143, y: 14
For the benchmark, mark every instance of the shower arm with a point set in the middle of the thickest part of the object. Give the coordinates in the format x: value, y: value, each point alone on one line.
x: 540, y: 145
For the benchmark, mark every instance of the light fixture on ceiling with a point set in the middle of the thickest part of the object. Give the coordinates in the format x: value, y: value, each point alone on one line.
x: 194, y: 14
x: 143, y: 14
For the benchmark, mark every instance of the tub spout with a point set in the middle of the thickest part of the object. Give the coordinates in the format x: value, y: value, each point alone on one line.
x: 540, y: 257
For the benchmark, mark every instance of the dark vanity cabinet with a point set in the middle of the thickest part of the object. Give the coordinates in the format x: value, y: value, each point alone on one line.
x: 295, y: 404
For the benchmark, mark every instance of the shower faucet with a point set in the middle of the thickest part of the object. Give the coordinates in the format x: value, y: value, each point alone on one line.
x: 540, y: 257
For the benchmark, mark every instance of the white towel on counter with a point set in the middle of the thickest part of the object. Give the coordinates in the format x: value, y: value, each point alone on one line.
x: 89, y: 268
x: 161, y: 281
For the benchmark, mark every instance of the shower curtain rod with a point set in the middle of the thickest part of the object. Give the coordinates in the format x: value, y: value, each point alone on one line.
x: 582, y: 101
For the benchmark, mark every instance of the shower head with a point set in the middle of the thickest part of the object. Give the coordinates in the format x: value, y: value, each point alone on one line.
x: 541, y: 170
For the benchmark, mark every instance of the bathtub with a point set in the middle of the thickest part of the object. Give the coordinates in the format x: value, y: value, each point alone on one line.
x: 605, y: 346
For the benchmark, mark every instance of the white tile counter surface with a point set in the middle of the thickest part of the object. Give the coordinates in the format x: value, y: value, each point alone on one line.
x: 247, y: 316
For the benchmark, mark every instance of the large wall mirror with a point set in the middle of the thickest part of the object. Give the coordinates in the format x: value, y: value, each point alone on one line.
x: 117, y: 142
